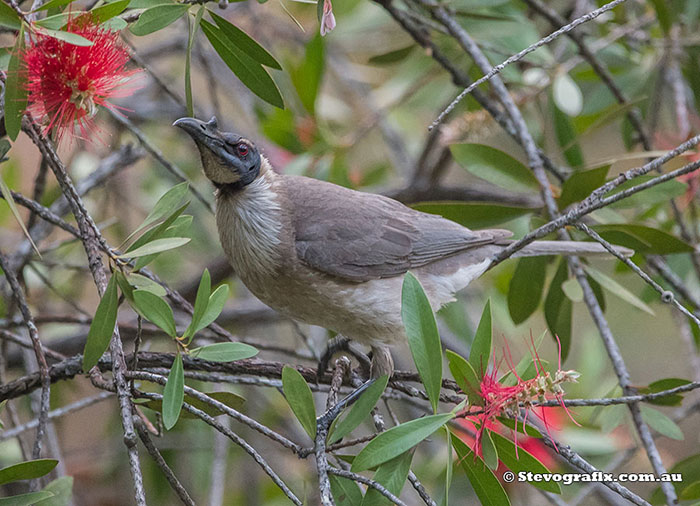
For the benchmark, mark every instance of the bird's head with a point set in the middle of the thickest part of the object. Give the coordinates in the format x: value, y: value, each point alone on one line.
x: 227, y: 158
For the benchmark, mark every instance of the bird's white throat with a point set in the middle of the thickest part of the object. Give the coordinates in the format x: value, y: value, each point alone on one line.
x: 249, y: 223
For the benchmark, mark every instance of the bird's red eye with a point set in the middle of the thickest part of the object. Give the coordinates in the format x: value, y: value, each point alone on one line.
x: 242, y: 149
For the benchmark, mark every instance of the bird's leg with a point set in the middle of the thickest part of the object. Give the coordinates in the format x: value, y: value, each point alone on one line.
x: 382, y: 362
x: 337, y: 344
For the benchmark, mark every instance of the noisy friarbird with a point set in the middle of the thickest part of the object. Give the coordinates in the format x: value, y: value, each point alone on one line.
x: 334, y: 257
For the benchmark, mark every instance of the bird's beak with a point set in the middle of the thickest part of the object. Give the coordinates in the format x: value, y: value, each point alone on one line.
x: 201, y: 132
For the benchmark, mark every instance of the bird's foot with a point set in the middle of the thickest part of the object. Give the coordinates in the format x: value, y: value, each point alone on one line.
x: 341, y: 344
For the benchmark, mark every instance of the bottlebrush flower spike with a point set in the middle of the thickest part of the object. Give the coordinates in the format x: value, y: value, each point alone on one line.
x: 503, y: 400
x: 67, y: 83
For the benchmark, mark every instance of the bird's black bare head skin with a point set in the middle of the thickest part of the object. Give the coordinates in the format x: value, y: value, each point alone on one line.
x: 230, y: 161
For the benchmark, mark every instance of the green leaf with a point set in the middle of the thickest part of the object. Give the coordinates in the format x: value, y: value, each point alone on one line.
x: 143, y: 283
x: 25, y: 499
x: 214, y: 308
x: 423, y: 337
x: 617, y: 289
x: 7, y: 195
x: 109, y: 10
x: 52, y: 4
x: 526, y: 287
x: 243, y: 42
x: 392, y: 56
x: 8, y: 17
x: 567, y: 95
x: 156, y: 310
x: 174, y: 393
x: 15, y: 90
x: 156, y: 246
x: 224, y: 352
x: 200, y: 302
x: 665, y: 384
x: 489, y: 451
x: 494, y: 166
x: 193, y: 26
x: 654, y: 195
x: 228, y: 398
x: 689, y: 468
x: 179, y: 228
x: 397, y: 440
x: 62, y: 490
x: 474, y: 215
x: 54, y: 22
x: 465, y: 376
x: 102, y: 326
x: 661, y: 423
x: 160, y: 16
x: 250, y: 72
x: 643, y: 239
x: 567, y: 137
x: 359, y: 410
x: 485, y: 484
x: 522, y: 460
x: 572, y: 289
x: 27, y: 470
x: 308, y: 75
x: 481, y: 345
x: 345, y: 492
x: 392, y: 475
x: 165, y: 207
x: 580, y: 185
x: 558, y: 309
x: 300, y: 399
x: 69, y: 37
x: 147, y: 4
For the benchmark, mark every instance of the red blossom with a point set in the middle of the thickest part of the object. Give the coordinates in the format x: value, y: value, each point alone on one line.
x: 509, y: 400
x: 66, y: 83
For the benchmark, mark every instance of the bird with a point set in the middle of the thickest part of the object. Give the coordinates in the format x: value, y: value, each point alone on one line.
x: 330, y: 256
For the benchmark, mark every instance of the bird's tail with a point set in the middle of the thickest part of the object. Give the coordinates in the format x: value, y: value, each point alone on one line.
x: 568, y: 248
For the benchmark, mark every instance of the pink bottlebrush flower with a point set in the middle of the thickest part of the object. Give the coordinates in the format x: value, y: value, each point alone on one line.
x: 66, y: 83
x: 505, y: 400
x: 327, y: 18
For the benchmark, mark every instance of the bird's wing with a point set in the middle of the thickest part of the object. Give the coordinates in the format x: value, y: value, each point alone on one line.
x: 360, y: 236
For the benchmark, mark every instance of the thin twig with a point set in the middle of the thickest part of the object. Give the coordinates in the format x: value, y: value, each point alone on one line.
x: 366, y: 481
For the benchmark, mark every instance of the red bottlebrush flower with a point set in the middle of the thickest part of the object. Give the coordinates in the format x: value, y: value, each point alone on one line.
x: 67, y: 83
x: 507, y: 400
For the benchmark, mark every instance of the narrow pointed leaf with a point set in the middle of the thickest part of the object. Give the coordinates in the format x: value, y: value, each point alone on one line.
x: 214, y: 308
x: 526, y: 287
x: 397, y: 440
x: 102, y: 326
x: 522, y: 461
x: 494, y: 166
x: 193, y: 27
x: 62, y: 490
x: 423, y: 337
x: 52, y: 4
x: 160, y: 16
x: 15, y: 90
x: 200, y: 302
x: 300, y: 399
x: 224, y: 352
x: 69, y: 37
x: 392, y: 475
x: 108, y: 11
x: 156, y: 246
x: 8, y: 17
x: 480, y: 351
x: 250, y: 72
x: 661, y: 423
x: 27, y: 499
x: 558, y: 309
x: 174, y: 394
x: 345, y: 492
x: 489, y: 451
x: 165, y: 206
x: 485, y: 484
x: 27, y: 470
x: 143, y: 283
x: 465, y: 376
x: 246, y: 44
x: 7, y: 195
x: 359, y: 410
x: 617, y: 289
x: 155, y: 310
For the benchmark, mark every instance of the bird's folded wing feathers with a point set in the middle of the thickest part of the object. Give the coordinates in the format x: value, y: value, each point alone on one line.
x: 359, y: 236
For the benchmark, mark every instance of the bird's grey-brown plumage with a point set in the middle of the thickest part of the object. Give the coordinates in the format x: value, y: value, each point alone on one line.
x: 334, y: 257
